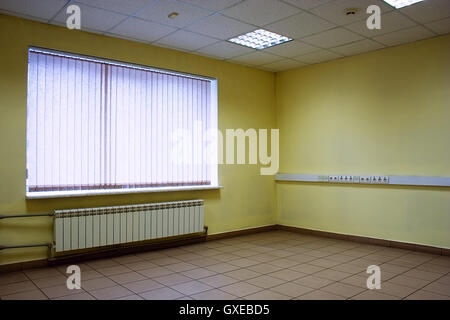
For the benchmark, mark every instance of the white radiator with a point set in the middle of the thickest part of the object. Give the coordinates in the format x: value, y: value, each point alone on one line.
x: 96, y: 227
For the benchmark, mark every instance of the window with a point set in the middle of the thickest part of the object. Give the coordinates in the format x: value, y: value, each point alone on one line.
x: 96, y: 127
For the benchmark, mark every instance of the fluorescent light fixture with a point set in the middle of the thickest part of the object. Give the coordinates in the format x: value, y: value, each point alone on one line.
x: 401, y: 3
x: 260, y: 39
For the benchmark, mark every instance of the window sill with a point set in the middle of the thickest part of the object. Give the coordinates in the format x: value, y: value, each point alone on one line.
x: 85, y: 193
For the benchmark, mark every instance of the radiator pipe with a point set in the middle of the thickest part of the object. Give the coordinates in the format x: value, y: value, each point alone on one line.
x: 49, y: 214
x: 19, y: 246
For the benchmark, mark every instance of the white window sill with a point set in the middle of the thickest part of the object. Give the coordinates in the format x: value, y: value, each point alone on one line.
x: 85, y: 193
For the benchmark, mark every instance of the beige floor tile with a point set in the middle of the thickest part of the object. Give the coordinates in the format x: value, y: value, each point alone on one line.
x: 218, y: 280
x: 356, y: 280
x: 140, y: 265
x: 332, y: 274
x: 90, y: 274
x: 172, y: 279
x: 287, y: 274
x: 181, y: 266
x: 439, y: 288
x: 318, y: 253
x: 444, y: 280
x: 241, y: 289
x: 101, y: 263
x: 111, y: 293
x: 349, y: 268
x: 325, y: 263
x: 319, y: 295
x: 50, y: 281
x: 226, y: 257
x: 16, y: 287
x: 189, y: 256
x: 222, y: 267
x: 267, y: 295
x: 395, y: 289
x: 142, y: 285
x: 307, y: 268
x: 426, y: 295
x: 198, y: 273
x: 209, y: 252
x: 242, y: 274
x: 130, y: 258
x: 161, y: 294
x: 204, y: 262
x: 155, y: 272
x: 164, y: 261
x: 11, y: 277
x: 110, y: 271
x: 265, y: 281
x: 284, y: 263
x: 127, y: 277
x: 430, y: 267
x: 409, y: 282
x: 291, y: 289
x: 373, y: 295
x: 243, y: 262
x: 214, y: 294
x: 424, y: 275
x: 132, y: 297
x: 264, y: 257
x: 313, y: 282
x: 264, y: 268
x: 191, y: 287
x: 342, y: 289
x: 27, y: 295
x: 59, y: 291
x: 77, y: 296
x: 97, y: 283
x: 34, y: 274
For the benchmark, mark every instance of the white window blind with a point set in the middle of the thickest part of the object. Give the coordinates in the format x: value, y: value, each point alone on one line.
x: 100, y: 126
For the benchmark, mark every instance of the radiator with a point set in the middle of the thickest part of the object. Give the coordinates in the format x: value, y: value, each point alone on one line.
x: 96, y: 227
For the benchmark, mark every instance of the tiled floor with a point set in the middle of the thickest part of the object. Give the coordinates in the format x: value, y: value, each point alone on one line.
x: 270, y: 265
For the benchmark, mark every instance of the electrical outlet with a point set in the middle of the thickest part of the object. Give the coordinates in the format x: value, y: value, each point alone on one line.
x: 333, y: 179
x: 385, y: 180
x: 364, y: 179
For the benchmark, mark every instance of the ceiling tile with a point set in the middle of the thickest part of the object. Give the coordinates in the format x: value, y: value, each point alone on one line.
x: 120, y: 6
x: 390, y: 21
x: 256, y: 58
x: 93, y: 18
x: 440, y: 26
x: 404, y: 36
x: 358, y: 47
x: 291, y: 49
x: 224, y: 50
x: 185, y: 40
x: 332, y: 38
x: 160, y: 11
x: 283, y: 65
x: 44, y: 11
x: 427, y: 11
x: 300, y: 25
x: 221, y: 27
x: 306, y: 4
x: 141, y: 30
x: 260, y: 12
x: 213, y: 5
x: 318, y: 56
x: 335, y: 11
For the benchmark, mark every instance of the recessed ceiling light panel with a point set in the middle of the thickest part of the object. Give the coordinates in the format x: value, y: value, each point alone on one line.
x: 401, y: 3
x: 260, y: 39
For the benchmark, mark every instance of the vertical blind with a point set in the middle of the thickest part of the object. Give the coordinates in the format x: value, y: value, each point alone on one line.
x: 94, y: 124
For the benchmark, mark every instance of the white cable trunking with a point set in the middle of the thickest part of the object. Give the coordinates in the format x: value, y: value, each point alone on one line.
x: 367, y: 179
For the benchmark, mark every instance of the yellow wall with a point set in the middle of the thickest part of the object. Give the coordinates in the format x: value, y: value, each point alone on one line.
x: 246, y: 100
x: 385, y: 112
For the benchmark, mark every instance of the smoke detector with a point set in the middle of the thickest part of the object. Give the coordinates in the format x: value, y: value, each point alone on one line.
x: 351, y: 11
